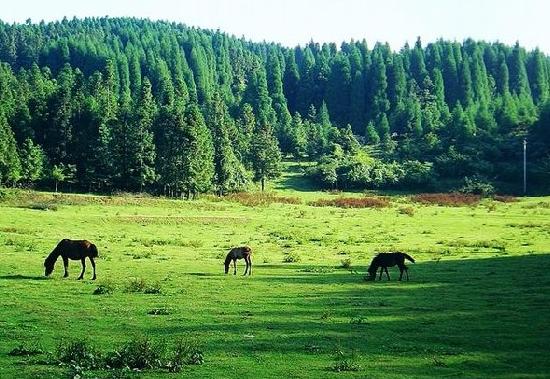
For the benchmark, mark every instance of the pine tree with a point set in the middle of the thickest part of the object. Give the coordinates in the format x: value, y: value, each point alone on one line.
x: 10, y: 166
x: 266, y: 156
x: 33, y: 161
x: 229, y: 173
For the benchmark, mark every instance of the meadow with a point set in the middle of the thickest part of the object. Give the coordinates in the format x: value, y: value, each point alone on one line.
x: 477, y: 304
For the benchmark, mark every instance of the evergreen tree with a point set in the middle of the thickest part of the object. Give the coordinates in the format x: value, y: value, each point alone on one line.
x: 266, y: 156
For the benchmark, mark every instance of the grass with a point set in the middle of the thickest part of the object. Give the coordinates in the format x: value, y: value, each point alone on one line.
x: 477, y: 304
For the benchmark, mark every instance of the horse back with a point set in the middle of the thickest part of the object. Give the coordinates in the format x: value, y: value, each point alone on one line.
x: 77, y: 249
x: 241, y: 252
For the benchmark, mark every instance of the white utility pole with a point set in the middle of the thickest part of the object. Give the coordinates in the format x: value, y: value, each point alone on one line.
x: 524, y: 166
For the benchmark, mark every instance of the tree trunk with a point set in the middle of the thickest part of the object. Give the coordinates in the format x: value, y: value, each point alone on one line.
x: 263, y: 184
x: 56, y: 186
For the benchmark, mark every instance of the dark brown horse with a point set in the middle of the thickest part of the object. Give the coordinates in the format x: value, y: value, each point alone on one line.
x: 243, y: 252
x: 72, y: 249
x: 385, y: 260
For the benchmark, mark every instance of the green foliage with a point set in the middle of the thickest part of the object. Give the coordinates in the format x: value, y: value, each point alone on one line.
x: 121, y: 104
x: 477, y: 186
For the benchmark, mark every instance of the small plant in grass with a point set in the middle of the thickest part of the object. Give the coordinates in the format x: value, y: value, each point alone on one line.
x: 143, y: 286
x: 159, y: 311
x: 291, y: 258
x: 344, y: 365
x: 358, y: 320
x: 345, y: 263
x: 78, y: 353
x: 409, y: 211
x: 138, y: 354
x: 104, y: 289
x: 26, y: 349
x: 184, y: 353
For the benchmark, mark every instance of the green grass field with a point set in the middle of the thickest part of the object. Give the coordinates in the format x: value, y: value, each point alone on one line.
x: 477, y: 304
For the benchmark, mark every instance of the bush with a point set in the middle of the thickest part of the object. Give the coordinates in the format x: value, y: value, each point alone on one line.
x: 409, y: 211
x: 345, y: 263
x: 477, y: 186
x: 26, y: 349
x: 159, y: 311
x: 292, y: 258
x: 143, y: 286
x: 78, y: 353
x: 345, y: 365
x: 184, y: 353
x: 352, y: 202
x: 104, y: 289
x: 139, y: 353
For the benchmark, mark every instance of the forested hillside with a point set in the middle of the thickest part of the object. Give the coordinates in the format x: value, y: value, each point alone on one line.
x: 121, y: 103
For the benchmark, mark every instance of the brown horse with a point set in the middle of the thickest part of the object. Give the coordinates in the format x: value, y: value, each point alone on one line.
x: 72, y: 249
x: 385, y: 260
x: 243, y: 252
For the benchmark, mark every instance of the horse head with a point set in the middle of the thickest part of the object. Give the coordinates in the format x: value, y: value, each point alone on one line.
x: 49, y: 265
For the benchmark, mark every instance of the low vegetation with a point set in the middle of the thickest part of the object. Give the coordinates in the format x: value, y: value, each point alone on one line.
x: 304, y: 312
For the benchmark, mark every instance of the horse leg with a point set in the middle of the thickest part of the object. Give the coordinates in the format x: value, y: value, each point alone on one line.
x: 407, y: 272
x: 387, y: 273
x: 246, y: 263
x: 250, y: 266
x: 66, y: 266
x: 234, y: 266
x: 401, y: 270
x: 83, y: 260
x: 381, y: 272
x: 93, y: 265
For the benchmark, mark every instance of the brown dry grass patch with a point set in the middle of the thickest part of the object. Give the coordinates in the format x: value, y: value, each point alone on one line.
x: 352, y: 202
x: 255, y: 199
x: 447, y: 199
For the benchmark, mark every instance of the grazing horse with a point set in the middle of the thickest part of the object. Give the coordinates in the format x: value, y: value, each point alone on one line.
x: 243, y: 252
x: 75, y: 250
x: 385, y: 260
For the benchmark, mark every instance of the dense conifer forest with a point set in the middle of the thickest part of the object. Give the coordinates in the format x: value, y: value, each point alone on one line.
x: 128, y: 104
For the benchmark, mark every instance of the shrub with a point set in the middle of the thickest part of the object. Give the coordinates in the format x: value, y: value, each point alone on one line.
x: 26, y: 349
x: 184, y: 353
x: 292, y: 258
x: 409, y: 211
x: 104, y: 289
x: 143, y: 286
x: 446, y: 199
x: 139, y: 353
x: 159, y: 311
x: 78, y: 353
x: 352, y: 202
x: 344, y: 365
x: 345, y: 263
x: 477, y: 185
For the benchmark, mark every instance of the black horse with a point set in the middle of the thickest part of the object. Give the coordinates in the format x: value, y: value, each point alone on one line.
x: 75, y: 250
x: 243, y: 252
x: 385, y: 260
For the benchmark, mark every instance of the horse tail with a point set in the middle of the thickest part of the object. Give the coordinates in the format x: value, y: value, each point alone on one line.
x: 407, y: 256
x: 94, y: 253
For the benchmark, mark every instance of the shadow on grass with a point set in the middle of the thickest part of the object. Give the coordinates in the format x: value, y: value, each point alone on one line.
x: 475, y: 318
x: 22, y: 277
